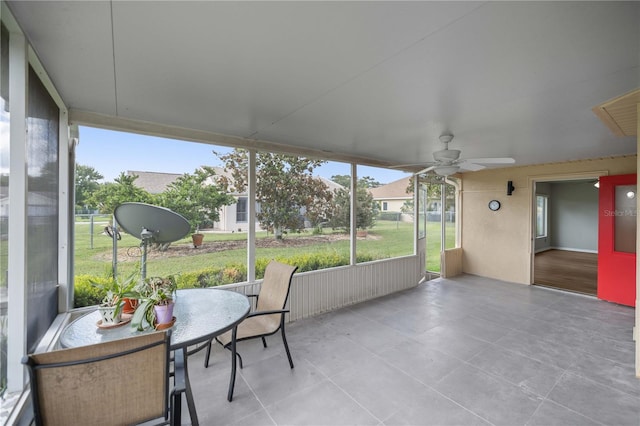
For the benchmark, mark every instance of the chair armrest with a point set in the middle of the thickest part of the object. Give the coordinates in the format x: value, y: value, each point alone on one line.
x: 179, y: 385
x: 275, y: 311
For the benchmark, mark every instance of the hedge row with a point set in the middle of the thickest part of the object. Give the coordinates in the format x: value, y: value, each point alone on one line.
x: 88, y: 295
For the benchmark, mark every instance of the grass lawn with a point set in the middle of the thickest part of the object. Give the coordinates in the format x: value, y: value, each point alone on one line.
x: 386, y: 239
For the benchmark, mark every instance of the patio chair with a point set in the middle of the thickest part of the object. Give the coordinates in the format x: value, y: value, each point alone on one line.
x: 120, y: 382
x: 268, y: 316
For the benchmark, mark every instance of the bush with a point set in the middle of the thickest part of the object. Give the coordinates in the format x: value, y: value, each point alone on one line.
x: 87, y: 294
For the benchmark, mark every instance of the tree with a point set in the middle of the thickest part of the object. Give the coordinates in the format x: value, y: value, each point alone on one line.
x: 366, y: 181
x: 86, y: 184
x: 285, y: 187
x: 343, y: 180
x: 123, y: 190
x: 366, y: 208
x: 197, y: 197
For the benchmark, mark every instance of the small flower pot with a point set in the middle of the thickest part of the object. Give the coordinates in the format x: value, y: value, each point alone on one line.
x: 109, y: 315
x: 164, y: 313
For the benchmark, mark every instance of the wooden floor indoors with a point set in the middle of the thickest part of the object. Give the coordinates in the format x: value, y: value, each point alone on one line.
x: 568, y: 270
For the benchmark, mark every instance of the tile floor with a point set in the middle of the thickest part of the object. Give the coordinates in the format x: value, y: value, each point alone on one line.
x: 463, y: 351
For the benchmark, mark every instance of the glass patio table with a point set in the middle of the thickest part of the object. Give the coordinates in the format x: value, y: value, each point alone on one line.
x: 201, y: 315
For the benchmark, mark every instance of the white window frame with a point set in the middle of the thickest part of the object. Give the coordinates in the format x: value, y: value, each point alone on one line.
x: 545, y: 216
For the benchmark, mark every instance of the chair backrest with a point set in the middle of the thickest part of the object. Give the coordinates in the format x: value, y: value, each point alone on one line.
x: 274, y: 290
x: 114, y: 383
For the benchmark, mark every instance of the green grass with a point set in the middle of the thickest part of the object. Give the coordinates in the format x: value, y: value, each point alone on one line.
x: 386, y: 239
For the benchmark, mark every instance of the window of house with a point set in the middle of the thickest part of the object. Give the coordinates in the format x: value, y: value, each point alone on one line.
x: 541, y: 215
x: 241, y: 210
x: 385, y: 206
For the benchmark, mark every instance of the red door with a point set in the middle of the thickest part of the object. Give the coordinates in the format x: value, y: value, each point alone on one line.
x: 617, y: 214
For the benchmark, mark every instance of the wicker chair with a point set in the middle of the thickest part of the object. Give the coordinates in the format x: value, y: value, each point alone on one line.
x: 121, y: 382
x: 268, y: 316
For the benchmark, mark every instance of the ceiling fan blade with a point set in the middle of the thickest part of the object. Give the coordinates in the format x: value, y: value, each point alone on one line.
x: 472, y: 167
x: 495, y: 160
x: 428, y: 169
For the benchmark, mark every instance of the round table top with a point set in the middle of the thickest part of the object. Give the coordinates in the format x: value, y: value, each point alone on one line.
x: 201, y: 314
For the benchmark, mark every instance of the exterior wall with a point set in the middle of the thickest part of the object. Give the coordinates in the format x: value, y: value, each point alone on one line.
x: 393, y: 205
x: 498, y: 244
x: 315, y: 292
x: 228, y: 220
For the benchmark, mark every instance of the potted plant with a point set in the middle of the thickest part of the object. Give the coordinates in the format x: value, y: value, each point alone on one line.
x: 197, y: 238
x: 115, y: 292
x: 156, y: 297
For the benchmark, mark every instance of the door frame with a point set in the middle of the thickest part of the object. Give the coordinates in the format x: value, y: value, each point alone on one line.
x: 532, y: 181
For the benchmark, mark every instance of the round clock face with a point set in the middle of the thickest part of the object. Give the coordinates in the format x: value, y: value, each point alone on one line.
x: 494, y: 205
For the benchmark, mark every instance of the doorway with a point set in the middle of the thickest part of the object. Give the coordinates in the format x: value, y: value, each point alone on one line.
x: 565, y: 235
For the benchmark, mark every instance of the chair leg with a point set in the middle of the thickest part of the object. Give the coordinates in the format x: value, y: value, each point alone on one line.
x: 206, y: 358
x: 232, y: 381
x: 286, y: 346
x: 264, y: 342
x: 228, y: 347
x: 175, y: 413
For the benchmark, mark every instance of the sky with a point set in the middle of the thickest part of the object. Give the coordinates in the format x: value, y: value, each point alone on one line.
x: 111, y: 152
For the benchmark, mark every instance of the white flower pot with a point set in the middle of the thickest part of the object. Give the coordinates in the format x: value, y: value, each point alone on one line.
x: 109, y: 315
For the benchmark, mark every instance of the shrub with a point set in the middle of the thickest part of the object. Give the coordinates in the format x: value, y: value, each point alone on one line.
x: 87, y: 294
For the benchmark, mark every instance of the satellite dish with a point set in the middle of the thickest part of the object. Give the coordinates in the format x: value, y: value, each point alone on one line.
x: 166, y: 226
x: 151, y: 224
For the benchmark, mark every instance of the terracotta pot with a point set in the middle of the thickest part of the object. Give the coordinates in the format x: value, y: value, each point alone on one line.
x: 197, y: 240
x: 164, y: 313
x: 129, y: 306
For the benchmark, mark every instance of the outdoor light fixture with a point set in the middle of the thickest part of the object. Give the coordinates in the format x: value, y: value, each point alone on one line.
x: 597, y: 184
x: 510, y: 187
x: 631, y: 195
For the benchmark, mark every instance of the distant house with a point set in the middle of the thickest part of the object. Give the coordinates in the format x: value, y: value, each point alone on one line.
x: 153, y: 182
x: 233, y: 218
x: 392, y: 196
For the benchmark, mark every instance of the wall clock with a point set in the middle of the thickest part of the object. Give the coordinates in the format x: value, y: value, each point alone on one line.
x: 494, y: 205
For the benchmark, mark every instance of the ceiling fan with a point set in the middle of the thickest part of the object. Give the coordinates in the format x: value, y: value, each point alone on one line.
x: 447, y: 161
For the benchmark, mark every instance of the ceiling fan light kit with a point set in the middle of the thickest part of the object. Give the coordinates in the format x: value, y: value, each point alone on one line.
x: 446, y: 170
x: 446, y: 155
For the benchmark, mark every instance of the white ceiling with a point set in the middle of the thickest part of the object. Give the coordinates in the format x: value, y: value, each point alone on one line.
x: 378, y: 80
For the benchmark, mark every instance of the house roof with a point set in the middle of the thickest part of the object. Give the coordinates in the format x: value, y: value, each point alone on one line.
x: 394, y: 190
x: 330, y: 184
x: 157, y: 182
x: 153, y: 182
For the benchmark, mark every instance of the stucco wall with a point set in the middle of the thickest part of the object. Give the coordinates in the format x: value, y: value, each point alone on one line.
x: 498, y: 244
